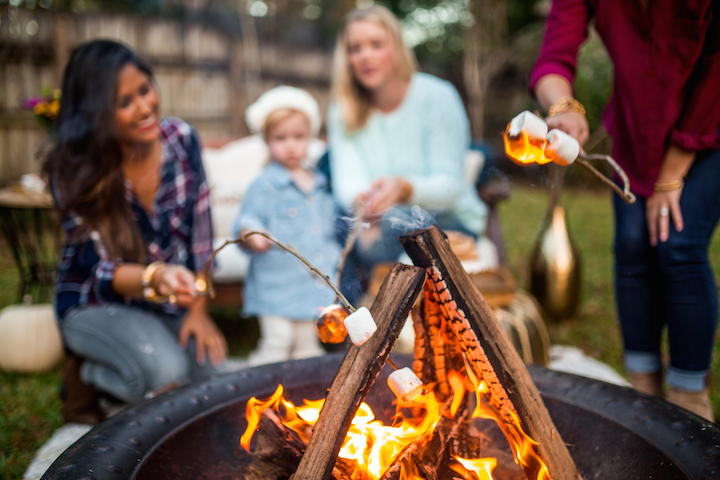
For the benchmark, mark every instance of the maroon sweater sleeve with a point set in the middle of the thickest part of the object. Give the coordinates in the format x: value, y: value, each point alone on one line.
x: 698, y: 127
x: 565, y: 30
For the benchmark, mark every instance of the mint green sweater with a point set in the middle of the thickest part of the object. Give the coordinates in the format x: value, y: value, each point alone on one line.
x: 424, y: 140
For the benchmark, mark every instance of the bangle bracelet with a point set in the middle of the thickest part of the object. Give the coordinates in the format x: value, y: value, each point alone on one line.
x: 668, y: 186
x: 149, y: 292
x: 147, y: 274
x: 566, y: 104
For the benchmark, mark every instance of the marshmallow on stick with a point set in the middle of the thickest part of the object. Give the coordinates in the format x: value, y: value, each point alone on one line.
x: 405, y: 384
x: 535, y: 127
x: 561, y: 148
x: 360, y: 326
x: 330, y: 324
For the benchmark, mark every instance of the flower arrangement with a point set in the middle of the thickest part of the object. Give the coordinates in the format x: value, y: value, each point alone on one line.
x: 45, y: 107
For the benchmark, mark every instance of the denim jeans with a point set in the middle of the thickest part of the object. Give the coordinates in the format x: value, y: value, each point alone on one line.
x: 129, y: 351
x: 671, y: 284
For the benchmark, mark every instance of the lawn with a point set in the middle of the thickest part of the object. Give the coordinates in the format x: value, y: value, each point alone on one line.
x: 29, y: 404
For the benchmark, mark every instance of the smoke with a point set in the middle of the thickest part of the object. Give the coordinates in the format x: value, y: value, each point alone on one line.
x: 417, y: 219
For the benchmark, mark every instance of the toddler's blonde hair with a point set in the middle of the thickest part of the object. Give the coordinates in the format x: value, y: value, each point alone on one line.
x: 276, y: 117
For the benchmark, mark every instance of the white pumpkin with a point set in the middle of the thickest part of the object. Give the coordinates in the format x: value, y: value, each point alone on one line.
x: 29, y: 338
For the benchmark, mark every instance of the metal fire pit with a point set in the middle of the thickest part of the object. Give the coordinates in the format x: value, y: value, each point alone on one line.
x: 193, y: 432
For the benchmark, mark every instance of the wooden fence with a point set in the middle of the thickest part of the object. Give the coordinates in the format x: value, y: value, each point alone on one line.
x: 200, y: 72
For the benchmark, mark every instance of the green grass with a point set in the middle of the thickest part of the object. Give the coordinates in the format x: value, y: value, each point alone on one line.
x: 589, y: 215
x: 29, y: 404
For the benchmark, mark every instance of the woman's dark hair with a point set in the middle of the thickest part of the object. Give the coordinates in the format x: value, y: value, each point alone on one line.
x: 84, y: 166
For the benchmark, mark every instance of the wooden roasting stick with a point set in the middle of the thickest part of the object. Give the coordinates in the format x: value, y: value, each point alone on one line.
x: 428, y: 248
x: 358, y: 371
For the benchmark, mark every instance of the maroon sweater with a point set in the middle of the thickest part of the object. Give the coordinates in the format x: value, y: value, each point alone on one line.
x: 666, y: 89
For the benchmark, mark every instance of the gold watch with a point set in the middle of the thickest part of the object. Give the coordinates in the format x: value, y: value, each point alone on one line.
x: 566, y: 104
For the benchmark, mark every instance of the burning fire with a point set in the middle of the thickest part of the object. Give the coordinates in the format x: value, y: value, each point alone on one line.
x: 371, y: 446
x: 523, y: 150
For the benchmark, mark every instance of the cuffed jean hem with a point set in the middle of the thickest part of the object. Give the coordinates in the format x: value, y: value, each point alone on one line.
x: 685, y: 379
x: 642, y: 362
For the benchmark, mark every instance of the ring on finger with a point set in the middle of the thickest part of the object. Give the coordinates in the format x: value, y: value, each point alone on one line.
x: 664, y: 212
x: 172, y: 299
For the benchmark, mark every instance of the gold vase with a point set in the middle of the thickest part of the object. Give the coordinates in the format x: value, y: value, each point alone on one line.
x: 555, y: 267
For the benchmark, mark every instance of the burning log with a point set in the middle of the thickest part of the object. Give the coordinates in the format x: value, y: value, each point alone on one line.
x: 358, y: 371
x: 276, y: 452
x: 510, y: 390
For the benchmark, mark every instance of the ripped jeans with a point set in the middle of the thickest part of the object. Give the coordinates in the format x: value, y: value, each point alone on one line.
x: 129, y: 351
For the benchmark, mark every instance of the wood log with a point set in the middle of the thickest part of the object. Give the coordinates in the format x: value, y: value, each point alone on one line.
x: 276, y: 450
x: 425, y: 458
x: 358, y: 371
x: 429, y: 248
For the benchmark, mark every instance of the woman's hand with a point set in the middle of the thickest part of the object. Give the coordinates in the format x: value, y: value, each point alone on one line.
x: 175, y: 281
x: 208, y: 338
x: 665, y: 204
x: 658, y: 210
x: 572, y: 123
x: 384, y: 193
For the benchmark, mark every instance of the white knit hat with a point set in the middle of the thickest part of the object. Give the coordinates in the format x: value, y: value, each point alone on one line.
x: 279, y: 98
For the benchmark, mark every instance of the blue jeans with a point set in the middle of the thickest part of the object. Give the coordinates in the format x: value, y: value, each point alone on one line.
x: 671, y: 284
x: 129, y: 351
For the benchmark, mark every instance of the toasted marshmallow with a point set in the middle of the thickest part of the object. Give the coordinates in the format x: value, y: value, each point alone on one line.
x: 561, y: 148
x: 534, y: 126
x: 405, y: 384
x: 360, y: 326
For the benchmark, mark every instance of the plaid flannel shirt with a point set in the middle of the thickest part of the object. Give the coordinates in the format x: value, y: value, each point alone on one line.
x: 178, y: 230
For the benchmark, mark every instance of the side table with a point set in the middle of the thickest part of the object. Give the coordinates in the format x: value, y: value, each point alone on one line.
x: 32, y: 231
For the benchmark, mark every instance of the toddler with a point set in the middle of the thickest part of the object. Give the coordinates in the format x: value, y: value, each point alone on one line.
x: 290, y: 202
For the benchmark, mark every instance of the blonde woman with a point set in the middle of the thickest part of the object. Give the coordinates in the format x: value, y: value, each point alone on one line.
x: 397, y: 137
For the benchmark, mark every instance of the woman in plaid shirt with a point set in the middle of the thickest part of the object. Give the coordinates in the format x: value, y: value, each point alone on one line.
x: 132, y: 194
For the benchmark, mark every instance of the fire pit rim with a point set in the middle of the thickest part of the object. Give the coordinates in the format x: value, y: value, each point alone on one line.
x: 118, y: 447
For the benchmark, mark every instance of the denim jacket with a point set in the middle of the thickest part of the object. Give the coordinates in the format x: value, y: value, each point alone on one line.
x: 278, y: 283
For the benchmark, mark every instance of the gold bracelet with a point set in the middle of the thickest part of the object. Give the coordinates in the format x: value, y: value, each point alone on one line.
x: 149, y: 292
x: 406, y: 190
x: 668, y: 186
x: 566, y: 104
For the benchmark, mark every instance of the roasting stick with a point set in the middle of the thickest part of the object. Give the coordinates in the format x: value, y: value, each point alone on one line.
x: 210, y: 291
x: 350, y: 241
x: 625, y: 193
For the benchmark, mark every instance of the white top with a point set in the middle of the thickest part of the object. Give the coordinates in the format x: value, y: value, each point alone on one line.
x: 424, y: 140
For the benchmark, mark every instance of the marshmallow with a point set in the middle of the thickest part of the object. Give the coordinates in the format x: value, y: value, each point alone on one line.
x: 405, y: 384
x: 330, y: 324
x: 561, y: 147
x: 534, y: 126
x: 360, y: 326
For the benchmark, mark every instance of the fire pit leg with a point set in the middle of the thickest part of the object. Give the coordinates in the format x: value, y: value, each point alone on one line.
x: 429, y: 248
x: 358, y: 371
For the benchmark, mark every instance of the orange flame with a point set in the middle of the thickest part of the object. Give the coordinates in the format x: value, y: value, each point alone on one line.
x: 253, y: 411
x: 373, y: 446
x: 480, y: 467
x: 523, y: 150
x: 525, y: 449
